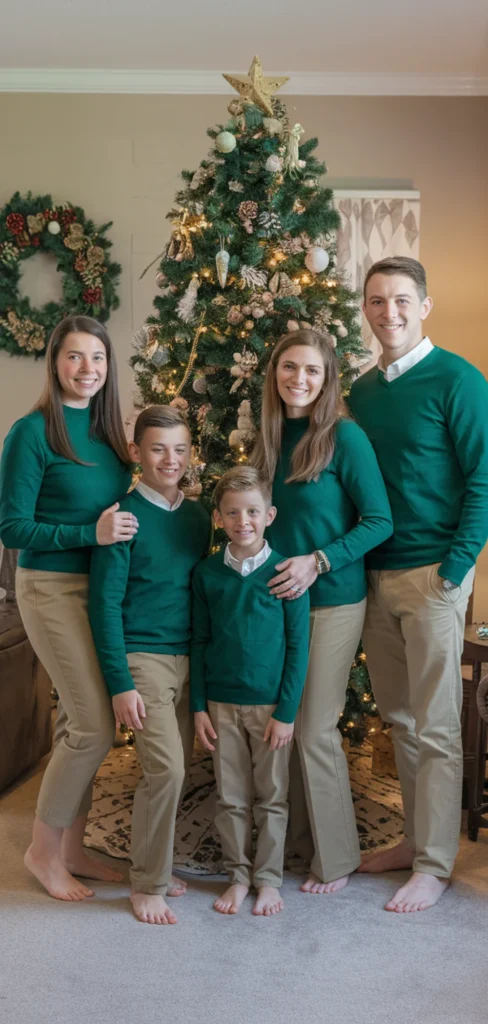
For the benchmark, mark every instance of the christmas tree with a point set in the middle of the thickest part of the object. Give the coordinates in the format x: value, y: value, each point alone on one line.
x: 251, y: 257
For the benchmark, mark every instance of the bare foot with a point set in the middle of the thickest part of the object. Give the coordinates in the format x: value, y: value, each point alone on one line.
x: 87, y: 867
x: 395, y: 858
x: 269, y: 901
x: 176, y: 887
x: 230, y: 902
x: 57, y: 881
x: 151, y: 909
x: 314, y: 886
x: 421, y: 892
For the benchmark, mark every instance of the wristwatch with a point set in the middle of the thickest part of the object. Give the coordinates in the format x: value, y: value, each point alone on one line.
x: 449, y: 585
x: 322, y: 563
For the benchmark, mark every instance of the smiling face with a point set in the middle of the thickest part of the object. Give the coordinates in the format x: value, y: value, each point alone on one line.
x: 395, y: 311
x: 244, y: 515
x: 164, y: 454
x: 81, y: 368
x: 300, y: 374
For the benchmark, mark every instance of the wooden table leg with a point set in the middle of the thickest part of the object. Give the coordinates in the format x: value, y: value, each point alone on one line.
x: 474, y: 740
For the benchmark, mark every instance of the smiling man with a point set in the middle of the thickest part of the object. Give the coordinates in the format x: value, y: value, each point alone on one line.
x: 425, y: 411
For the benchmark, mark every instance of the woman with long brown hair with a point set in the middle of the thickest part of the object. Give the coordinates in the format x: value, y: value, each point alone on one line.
x: 332, y: 509
x: 64, y: 468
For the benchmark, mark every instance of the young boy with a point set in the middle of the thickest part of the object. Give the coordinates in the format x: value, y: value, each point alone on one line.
x: 140, y: 613
x: 248, y: 655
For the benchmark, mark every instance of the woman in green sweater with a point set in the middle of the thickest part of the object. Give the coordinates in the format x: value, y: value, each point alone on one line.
x: 332, y: 509
x: 64, y: 468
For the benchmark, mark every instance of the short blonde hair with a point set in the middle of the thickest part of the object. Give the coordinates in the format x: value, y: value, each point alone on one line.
x: 242, y: 478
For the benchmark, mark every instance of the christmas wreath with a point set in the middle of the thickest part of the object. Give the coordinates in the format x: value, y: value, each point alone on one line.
x: 30, y: 224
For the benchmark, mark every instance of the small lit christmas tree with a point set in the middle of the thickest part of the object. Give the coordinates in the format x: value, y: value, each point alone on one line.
x: 251, y: 257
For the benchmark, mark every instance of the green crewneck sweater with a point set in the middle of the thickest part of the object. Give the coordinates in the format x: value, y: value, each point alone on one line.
x: 344, y: 513
x: 49, y: 505
x: 140, y: 590
x: 247, y: 647
x: 429, y: 428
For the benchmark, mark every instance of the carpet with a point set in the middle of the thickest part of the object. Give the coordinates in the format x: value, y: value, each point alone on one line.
x: 377, y: 804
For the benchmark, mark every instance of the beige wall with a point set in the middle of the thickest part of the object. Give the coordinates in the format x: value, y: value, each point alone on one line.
x: 119, y: 157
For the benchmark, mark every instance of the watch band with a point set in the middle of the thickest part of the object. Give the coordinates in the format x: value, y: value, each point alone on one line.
x: 322, y: 563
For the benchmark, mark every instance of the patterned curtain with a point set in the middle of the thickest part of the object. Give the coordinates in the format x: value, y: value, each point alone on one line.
x: 375, y: 225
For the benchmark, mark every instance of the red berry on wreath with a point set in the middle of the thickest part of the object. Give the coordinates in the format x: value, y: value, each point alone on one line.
x: 92, y: 296
x: 15, y: 223
x: 68, y: 216
x: 51, y: 214
x: 35, y: 240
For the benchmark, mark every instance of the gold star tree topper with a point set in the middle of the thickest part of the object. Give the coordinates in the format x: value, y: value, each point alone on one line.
x: 255, y: 88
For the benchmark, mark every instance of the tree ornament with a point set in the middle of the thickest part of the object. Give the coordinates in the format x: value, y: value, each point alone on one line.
x: 75, y: 238
x: 272, y: 126
x: 180, y: 246
x: 161, y: 280
x: 292, y: 325
x: 322, y: 319
x: 187, y: 303
x: 160, y: 356
x: 252, y: 277
x: 200, y: 385
x: 222, y: 260
x: 282, y: 286
x: 274, y: 163
x: 235, y: 108
x: 249, y: 325
x: 292, y: 246
x: 246, y: 310
x: 317, y: 259
x: 15, y: 223
x: 245, y: 365
x: 236, y: 186
x: 35, y: 223
x: 243, y: 438
x: 199, y: 178
x: 157, y: 384
x: 225, y: 142
x: 219, y: 300
x: 258, y: 312
x: 291, y: 160
x: 150, y: 347
x: 234, y: 316
x: 342, y: 331
x: 269, y: 223
x: 255, y: 88
x: 179, y: 403
x: 298, y: 206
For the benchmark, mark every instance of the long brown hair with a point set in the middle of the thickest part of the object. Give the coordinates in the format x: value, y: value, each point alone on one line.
x: 315, y: 449
x: 105, y: 416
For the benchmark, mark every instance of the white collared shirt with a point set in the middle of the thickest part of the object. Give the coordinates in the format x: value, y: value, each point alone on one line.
x: 406, y: 362
x: 249, y: 564
x: 158, y: 499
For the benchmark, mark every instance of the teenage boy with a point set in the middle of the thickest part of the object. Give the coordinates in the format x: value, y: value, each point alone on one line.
x: 425, y: 411
x: 140, y: 613
x: 248, y: 657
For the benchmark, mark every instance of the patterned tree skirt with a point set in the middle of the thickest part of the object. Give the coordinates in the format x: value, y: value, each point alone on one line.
x: 377, y: 802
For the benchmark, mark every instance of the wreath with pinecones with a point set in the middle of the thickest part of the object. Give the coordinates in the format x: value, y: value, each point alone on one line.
x: 31, y: 224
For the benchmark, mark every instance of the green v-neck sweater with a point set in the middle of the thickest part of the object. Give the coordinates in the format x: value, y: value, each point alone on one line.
x: 49, y: 505
x: 344, y: 513
x: 247, y: 647
x: 429, y: 428
x: 140, y: 590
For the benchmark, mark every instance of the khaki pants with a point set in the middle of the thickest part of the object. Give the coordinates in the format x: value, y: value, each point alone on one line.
x: 322, y: 820
x: 413, y: 639
x: 164, y: 746
x: 53, y: 606
x: 250, y: 777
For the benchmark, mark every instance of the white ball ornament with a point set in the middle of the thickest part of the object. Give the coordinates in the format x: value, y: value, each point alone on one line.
x: 54, y: 227
x: 225, y: 142
x: 274, y: 163
x: 317, y: 259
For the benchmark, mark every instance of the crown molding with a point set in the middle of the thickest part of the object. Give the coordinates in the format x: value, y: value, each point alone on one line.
x: 302, y: 83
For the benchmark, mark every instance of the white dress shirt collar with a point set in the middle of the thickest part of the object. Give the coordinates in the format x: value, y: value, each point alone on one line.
x: 406, y: 362
x: 158, y: 499
x: 249, y: 564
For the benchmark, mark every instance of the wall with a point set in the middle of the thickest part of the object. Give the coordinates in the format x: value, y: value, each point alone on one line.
x: 119, y: 157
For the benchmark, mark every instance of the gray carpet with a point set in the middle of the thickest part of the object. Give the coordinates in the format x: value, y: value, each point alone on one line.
x: 325, y: 959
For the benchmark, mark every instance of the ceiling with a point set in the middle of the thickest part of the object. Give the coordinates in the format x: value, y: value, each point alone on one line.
x: 443, y: 37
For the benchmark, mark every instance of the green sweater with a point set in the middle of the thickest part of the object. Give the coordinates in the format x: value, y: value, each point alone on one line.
x: 247, y: 647
x: 344, y: 513
x: 140, y: 590
x: 429, y: 428
x: 49, y: 505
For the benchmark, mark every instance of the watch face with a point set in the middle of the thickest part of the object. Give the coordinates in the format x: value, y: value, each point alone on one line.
x: 449, y: 585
